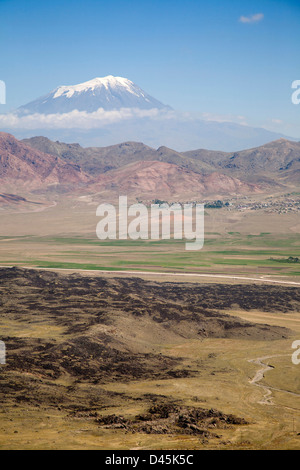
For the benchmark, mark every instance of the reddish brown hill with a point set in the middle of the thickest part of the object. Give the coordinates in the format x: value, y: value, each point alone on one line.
x: 21, y: 166
x: 156, y: 179
x: 24, y: 169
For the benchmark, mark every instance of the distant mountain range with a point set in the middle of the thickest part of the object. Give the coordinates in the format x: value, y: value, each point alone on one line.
x: 40, y: 167
x: 106, y: 110
x: 141, y: 172
x: 277, y: 162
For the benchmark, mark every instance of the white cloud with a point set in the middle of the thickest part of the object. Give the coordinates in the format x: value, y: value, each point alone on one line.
x: 252, y: 18
x: 77, y: 119
x: 224, y: 118
x: 101, y: 118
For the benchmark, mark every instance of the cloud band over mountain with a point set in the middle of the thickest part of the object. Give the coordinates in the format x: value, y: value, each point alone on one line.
x: 80, y: 119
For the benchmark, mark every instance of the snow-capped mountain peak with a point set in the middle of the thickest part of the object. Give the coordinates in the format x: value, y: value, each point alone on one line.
x: 107, y: 92
x: 108, y: 82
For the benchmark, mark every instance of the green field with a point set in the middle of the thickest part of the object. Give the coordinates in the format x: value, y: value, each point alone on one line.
x: 234, y: 252
x: 235, y: 243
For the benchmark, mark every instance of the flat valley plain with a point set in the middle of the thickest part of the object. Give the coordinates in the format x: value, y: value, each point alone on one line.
x: 104, y: 360
x: 237, y: 241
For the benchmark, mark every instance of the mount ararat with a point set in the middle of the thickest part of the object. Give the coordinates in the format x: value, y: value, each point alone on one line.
x: 103, y: 111
x: 108, y: 93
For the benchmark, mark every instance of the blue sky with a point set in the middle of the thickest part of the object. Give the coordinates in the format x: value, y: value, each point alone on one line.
x: 197, y: 56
